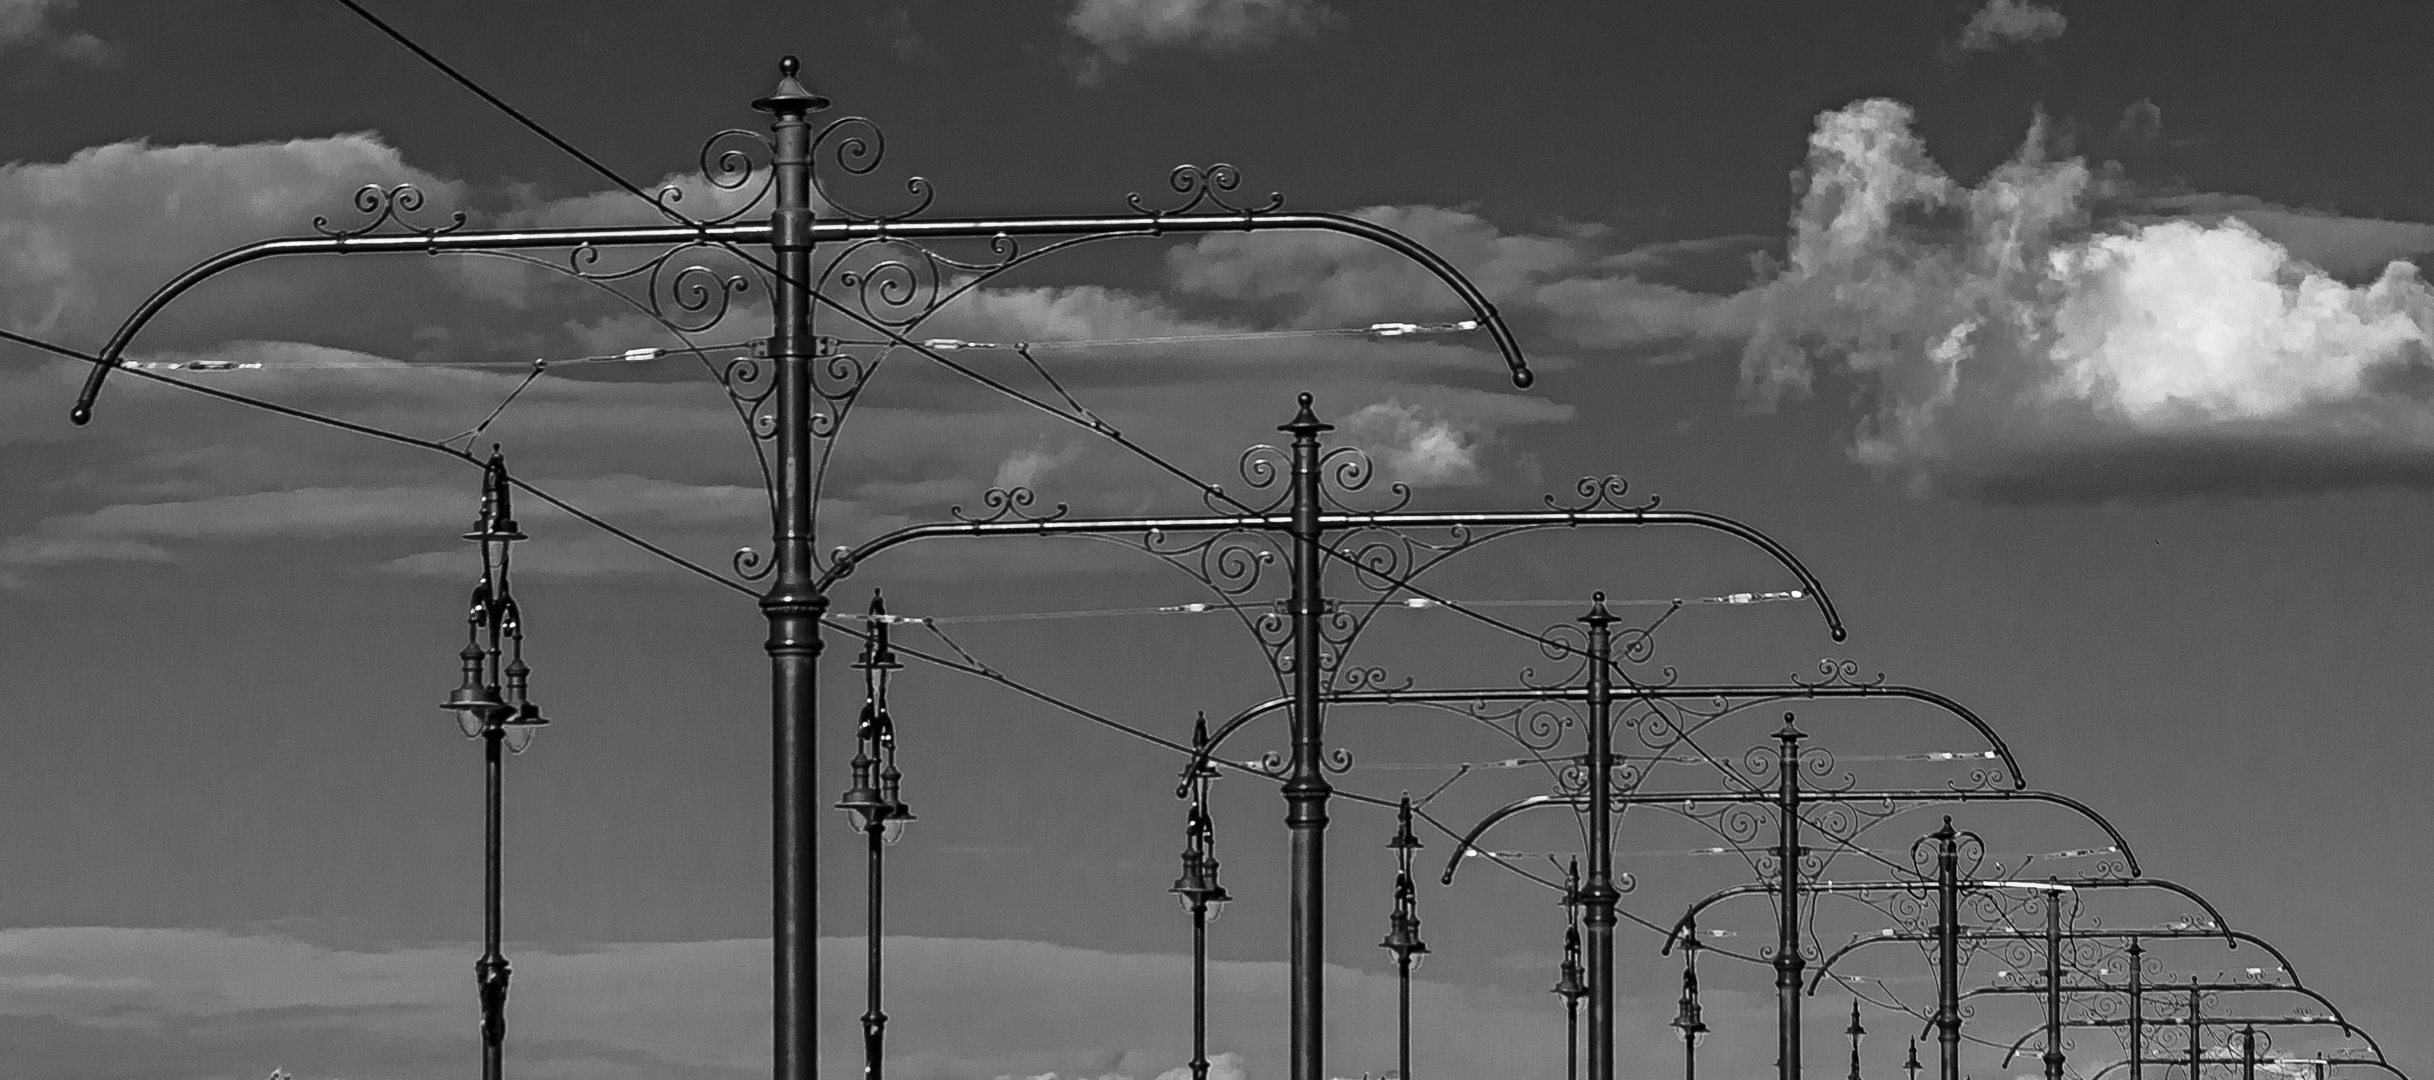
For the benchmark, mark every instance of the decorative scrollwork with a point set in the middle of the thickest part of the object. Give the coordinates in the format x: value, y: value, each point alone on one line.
x: 1602, y: 493
x: 1347, y: 470
x: 1211, y: 185
x: 1260, y: 467
x: 1358, y: 677
x: 1838, y: 672
x: 387, y: 206
x: 729, y: 168
x: 751, y: 565
x: 1007, y: 504
x: 856, y: 145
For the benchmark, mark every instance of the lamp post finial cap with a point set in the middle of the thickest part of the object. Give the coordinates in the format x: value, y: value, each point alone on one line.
x: 790, y: 95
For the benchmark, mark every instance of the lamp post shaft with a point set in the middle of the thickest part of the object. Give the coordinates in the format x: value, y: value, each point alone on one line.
x: 2196, y: 1045
x: 874, y: 1019
x: 1306, y: 788
x: 1948, y: 951
x: 1200, y: 989
x: 1571, y: 1039
x: 792, y: 605
x: 1787, y: 916
x: 1402, y: 966
x: 2053, y: 986
x: 491, y: 972
x: 1601, y: 896
x: 2138, y: 1011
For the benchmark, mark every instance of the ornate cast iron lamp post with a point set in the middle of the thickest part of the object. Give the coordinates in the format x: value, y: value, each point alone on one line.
x: 491, y: 704
x: 1199, y: 890
x: 1403, y: 933
x: 1686, y: 1021
x: 874, y: 807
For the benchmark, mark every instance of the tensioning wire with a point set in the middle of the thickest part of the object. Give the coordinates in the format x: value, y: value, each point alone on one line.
x: 1480, y: 853
x: 1409, y: 603
x: 1622, y: 760
x: 1378, y: 331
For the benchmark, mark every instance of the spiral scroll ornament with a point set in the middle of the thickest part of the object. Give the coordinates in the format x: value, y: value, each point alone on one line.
x: 1602, y: 493
x: 1212, y: 186
x: 386, y: 206
x: 1007, y: 504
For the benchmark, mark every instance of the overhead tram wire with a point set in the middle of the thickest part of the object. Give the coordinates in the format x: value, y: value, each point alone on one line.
x: 893, y: 337
x: 973, y: 668
x: 1089, y: 422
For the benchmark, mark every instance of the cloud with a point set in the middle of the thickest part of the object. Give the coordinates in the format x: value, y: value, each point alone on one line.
x: 2004, y: 23
x: 83, y: 240
x: 33, y: 24
x: 1119, y: 31
x: 1415, y: 445
x: 188, y: 1004
x: 2016, y: 350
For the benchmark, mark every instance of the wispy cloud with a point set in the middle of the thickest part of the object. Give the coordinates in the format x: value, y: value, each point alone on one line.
x: 2003, y: 24
x: 1116, y: 32
x: 34, y: 24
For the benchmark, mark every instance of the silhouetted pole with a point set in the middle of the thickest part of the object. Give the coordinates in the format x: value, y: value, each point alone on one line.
x: 1601, y: 896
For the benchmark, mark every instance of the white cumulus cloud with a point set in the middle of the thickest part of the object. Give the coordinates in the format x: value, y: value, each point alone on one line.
x: 2014, y: 348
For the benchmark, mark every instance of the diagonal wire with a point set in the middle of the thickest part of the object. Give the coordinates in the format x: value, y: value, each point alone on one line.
x: 467, y: 457
x: 901, y: 340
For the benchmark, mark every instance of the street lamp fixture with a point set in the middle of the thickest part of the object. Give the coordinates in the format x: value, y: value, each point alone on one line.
x: 1403, y: 931
x: 493, y: 703
x: 874, y: 806
x: 1198, y: 889
x: 1686, y: 1022
x: 1567, y: 976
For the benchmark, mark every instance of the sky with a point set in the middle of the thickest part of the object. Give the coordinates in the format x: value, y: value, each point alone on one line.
x: 2082, y: 351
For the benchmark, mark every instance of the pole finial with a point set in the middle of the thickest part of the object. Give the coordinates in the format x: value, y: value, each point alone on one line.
x: 790, y: 98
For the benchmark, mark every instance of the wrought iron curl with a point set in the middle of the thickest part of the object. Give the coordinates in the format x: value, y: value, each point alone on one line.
x: 1338, y: 760
x: 1007, y: 504
x: 387, y: 206
x: 729, y: 169
x: 857, y: 145
x: 1358, y: 677
x: 751, y: 565
x: 1565, y: 643
x: 1347, y: 470
x: 1602, y: 493
x: 1838, y: 672
x: 1210, y: 185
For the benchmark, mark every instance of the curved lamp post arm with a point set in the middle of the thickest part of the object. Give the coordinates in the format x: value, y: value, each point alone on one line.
x: 1754, y: 693
x: 2373, y: 1062
x: 2234, y: 936
x: 2228, y: 1021
x: 847, y: 559
x: 433, y: 243
x: 1920, y: 796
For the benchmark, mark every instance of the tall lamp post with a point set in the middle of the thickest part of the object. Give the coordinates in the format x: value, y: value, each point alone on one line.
x: 491, y: 705
x: 874, y: 808
x: 1686, y: 1021
x: 1199, y: 890
x: 1403, y: 933
x: 1567, y: 977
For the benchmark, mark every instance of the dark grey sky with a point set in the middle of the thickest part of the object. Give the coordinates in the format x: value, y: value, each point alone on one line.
x: 2070, y: 354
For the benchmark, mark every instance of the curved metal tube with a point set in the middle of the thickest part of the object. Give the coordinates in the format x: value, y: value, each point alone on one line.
x: 762, y: 232
x: 2234, y: 936
x: 2374, y: 1062
x: 848, y: 559
x: 2258, y: 1021
x: 1923, y: 796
